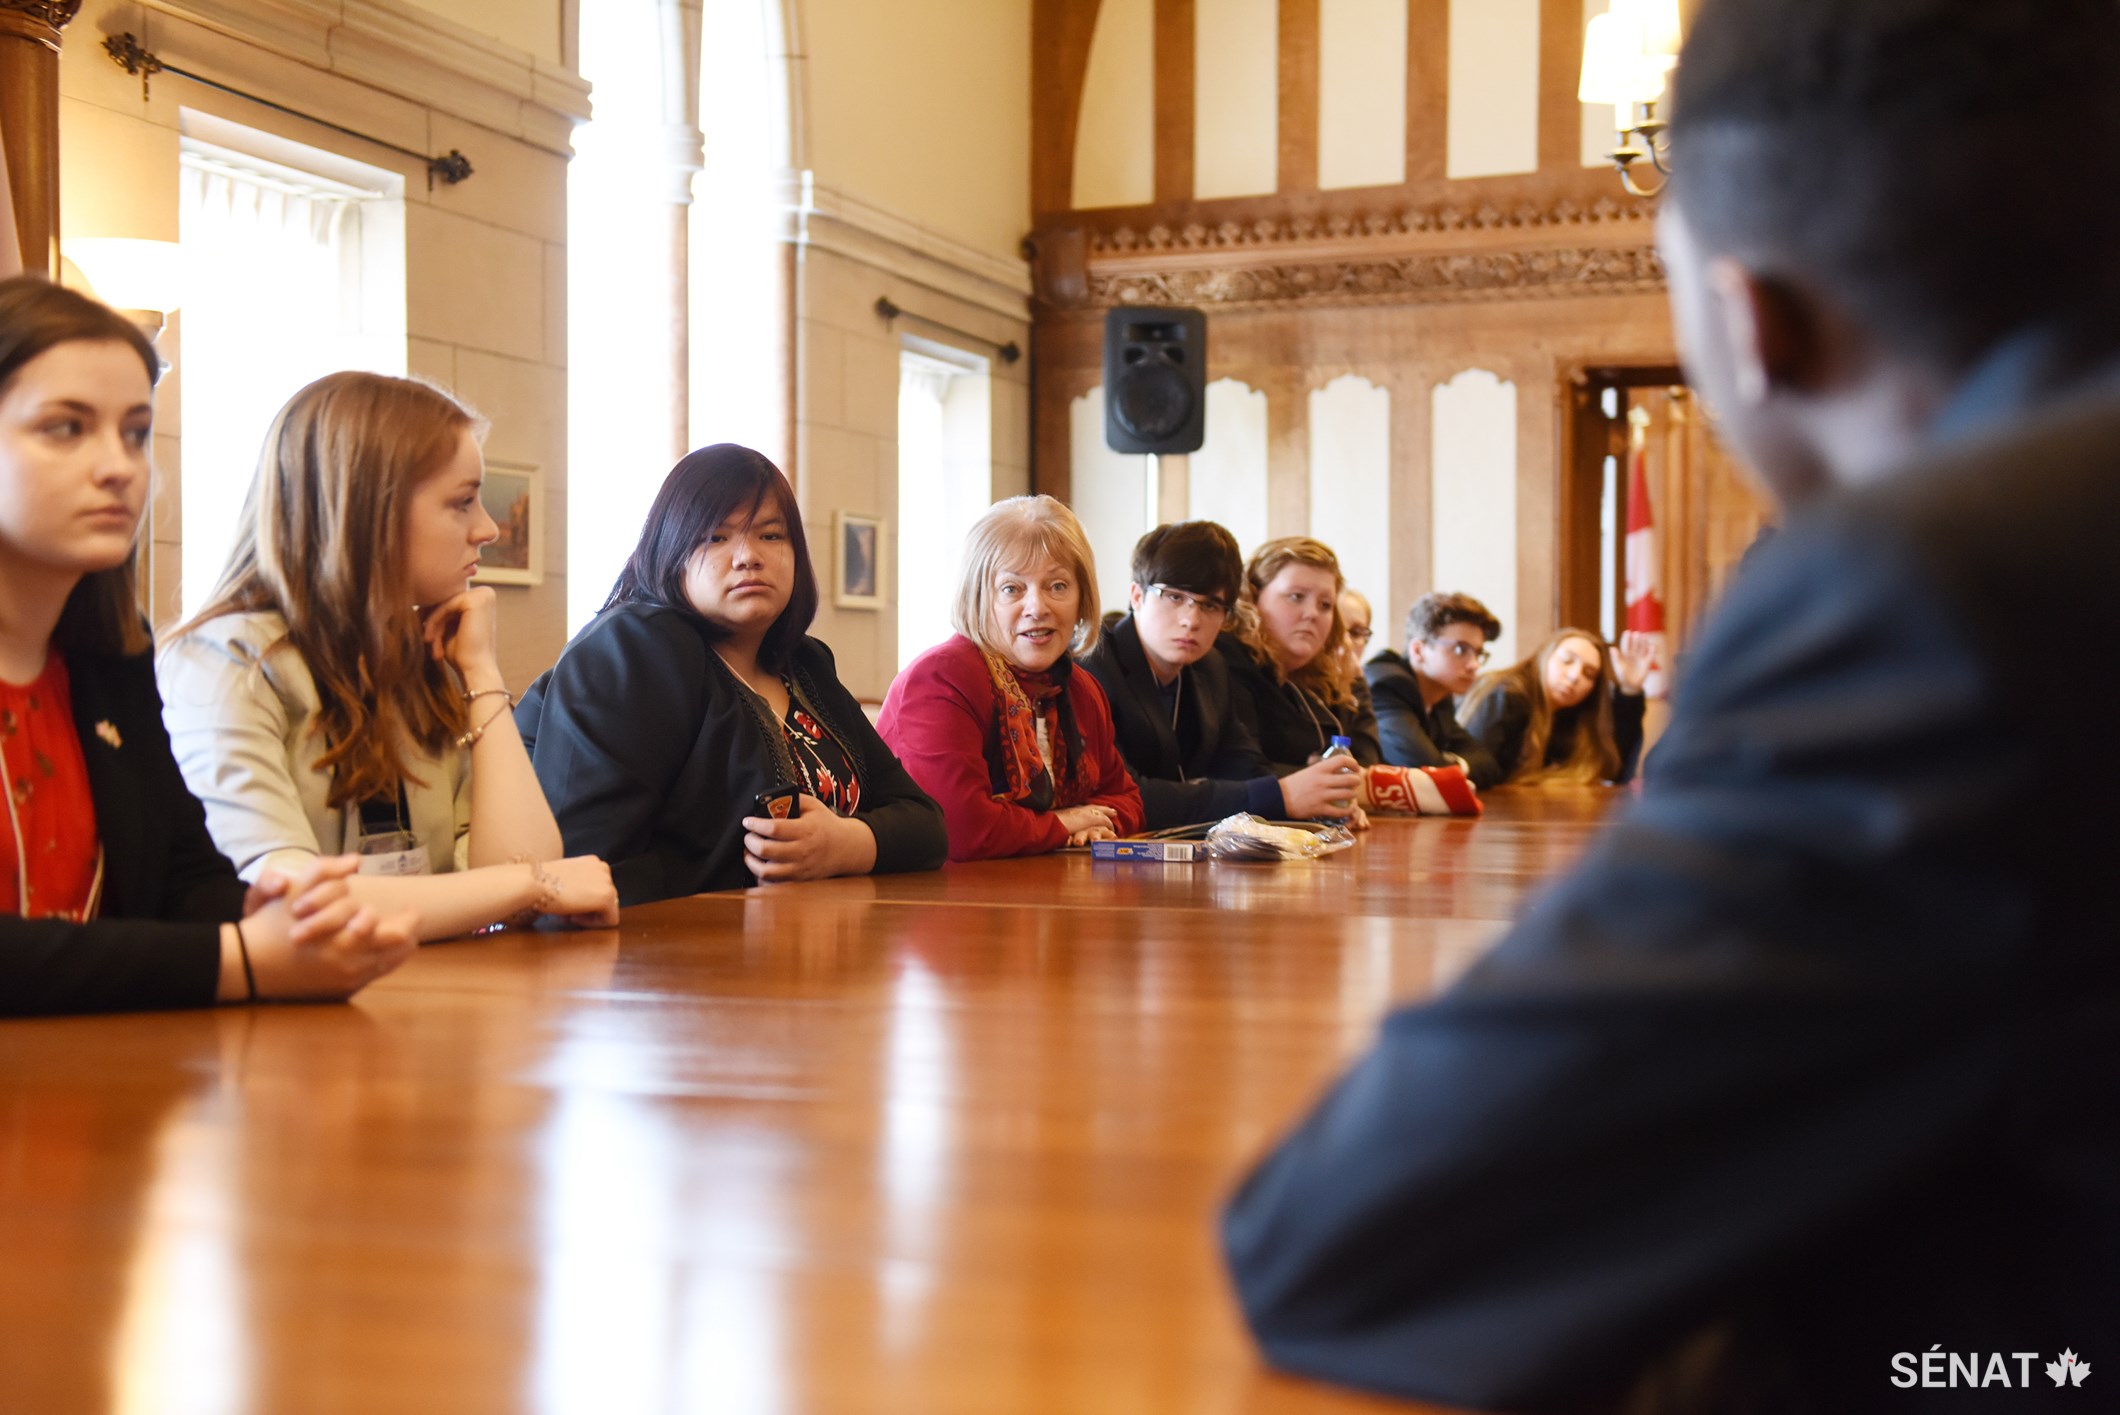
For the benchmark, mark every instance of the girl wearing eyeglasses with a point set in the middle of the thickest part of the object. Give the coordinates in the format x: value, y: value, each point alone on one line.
x: 1571, y: 713
x: 1183, y: 736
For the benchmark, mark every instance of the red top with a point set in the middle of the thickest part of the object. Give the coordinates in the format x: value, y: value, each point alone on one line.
x: 45, y: 774
x: 942, y: 718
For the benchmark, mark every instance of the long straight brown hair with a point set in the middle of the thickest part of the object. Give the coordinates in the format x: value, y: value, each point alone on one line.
x: 322, y: 539
x: 1594, y: 754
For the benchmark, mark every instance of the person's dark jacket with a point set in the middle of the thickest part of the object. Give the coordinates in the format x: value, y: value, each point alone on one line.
x: 1812, y: 1054
x: 650, y: 753
x: 1291, y: 726
x: 1499, y: 720
x: 1414, y: 734
x: 156, y: 941
x: 1203, y: 767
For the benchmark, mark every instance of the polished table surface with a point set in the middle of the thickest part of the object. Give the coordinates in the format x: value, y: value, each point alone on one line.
x: 944, y: 1143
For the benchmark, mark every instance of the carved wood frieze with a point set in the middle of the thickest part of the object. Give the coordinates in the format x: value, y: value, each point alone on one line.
x: 1268, y: 233
x: 56, y: 13
x: 39, y: 20
x: 1403, y: 254
x: 1493, y: 275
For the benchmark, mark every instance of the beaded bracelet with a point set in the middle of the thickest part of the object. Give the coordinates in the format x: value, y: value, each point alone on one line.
x: 470, y: 739
x: 548, y: 885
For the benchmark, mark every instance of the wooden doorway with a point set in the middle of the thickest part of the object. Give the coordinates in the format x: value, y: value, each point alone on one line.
x: 1706, y: 510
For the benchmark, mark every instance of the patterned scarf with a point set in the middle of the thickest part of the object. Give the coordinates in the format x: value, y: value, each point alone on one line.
x: 1023, y: 700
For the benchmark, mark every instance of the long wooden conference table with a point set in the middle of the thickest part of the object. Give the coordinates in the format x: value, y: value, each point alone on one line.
x: 946, y: 1144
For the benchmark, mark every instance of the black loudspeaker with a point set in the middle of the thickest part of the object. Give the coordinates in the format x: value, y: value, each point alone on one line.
x: 1155, y: 380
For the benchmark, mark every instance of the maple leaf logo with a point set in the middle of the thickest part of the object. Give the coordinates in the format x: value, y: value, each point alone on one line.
x: 2068, y: 1371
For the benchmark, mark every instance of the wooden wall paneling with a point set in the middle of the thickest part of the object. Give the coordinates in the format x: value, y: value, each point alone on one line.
x: 1287, y: 390
x: 1587, y: 438
x: 1560, y: 65
x: 29, y: 122
x: 1175, y: 82
x: 1061, y: 31
x: 1067, y: 360
x: 1427, y: 90
x: 1412, y: 499
x: 1538, y: 474
x: 1297, y: 170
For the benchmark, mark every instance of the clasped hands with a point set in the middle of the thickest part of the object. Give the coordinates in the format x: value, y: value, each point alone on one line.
x: 307, y: 939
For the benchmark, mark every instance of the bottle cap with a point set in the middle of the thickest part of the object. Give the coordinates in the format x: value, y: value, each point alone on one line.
x: 1343, y: 741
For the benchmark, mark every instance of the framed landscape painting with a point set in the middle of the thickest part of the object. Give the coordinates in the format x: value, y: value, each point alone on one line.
x: 514, y: 498
x: 858, y: 565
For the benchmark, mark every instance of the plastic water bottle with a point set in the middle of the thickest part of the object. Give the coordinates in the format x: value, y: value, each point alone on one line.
x: 1341, y: 747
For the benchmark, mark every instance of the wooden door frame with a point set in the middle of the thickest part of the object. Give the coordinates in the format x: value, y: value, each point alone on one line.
x: 1587, y: 437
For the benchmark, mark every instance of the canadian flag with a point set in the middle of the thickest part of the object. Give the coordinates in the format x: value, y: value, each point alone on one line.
x: 10, y: 244
x: 1645, y: 602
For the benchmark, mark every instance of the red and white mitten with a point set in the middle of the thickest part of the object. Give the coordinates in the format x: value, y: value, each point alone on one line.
x: 1422, y: 791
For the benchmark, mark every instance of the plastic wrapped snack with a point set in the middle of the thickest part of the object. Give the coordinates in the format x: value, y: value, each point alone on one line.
x: 1246, y: 837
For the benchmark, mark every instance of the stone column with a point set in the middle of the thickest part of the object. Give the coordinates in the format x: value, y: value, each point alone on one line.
x: 29, y: 122
x: 678, y: 22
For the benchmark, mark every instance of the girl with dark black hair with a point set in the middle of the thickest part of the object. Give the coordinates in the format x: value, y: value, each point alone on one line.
x: 672, y: 730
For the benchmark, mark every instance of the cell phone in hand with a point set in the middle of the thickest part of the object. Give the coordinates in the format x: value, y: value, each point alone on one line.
x: 778, y: 804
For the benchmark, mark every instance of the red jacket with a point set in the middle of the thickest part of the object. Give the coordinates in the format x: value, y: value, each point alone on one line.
x: 942, y: 720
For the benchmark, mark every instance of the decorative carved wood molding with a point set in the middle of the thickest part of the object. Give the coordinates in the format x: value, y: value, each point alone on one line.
x: 1497, y: 275
x: 38, y: 21
x: 1401, y: 253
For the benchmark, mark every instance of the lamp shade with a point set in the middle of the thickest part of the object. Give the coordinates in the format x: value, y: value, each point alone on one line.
x: 130, y: 274
x: 1660, y: 35
x: 1611, y: 58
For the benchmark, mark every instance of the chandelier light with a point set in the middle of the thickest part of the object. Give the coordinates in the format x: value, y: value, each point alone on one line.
x: 1628, y: 55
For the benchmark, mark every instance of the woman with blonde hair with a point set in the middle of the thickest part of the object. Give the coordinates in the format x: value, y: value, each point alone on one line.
x: 341, y: 692
x: 117, y: 899
x: 1287, y: 652
x: 1559, y: 717
x: 995, y: 723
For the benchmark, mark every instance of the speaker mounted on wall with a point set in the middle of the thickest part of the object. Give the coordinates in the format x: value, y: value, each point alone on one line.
x: 1155, y: 380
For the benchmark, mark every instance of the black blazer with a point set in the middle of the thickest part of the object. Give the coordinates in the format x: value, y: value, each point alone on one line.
x: 156, y: 942
x: 1203, y: 769
x: 1289, y: 725
x: 650, y: 752
x: 1499, y: 721
x: 1814, y: 1049
x: 1413, y: 734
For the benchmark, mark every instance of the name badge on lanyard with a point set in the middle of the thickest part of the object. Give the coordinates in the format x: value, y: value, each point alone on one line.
x: 393, y: 852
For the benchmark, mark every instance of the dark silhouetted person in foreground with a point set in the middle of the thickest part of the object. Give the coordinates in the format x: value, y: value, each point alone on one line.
x: 1807, y: 1074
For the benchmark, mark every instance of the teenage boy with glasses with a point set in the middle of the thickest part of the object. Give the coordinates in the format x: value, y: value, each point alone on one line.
x: 1191, y: 755
x: 1446, y: 644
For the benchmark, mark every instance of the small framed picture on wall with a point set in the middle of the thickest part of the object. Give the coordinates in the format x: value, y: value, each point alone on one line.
x: 857, y: 579
x: 514, y: 498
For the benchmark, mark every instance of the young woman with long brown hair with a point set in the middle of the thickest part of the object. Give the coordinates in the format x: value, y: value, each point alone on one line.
x: 1565, y: 715
x: 340, y: 691
x: 116, y: 898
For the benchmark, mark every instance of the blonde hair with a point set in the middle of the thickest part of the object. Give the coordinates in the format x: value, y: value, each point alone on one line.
x: 1009, y: 534
x: 321, y: 539
x: 1594, y: 754
x: 1328, y: 676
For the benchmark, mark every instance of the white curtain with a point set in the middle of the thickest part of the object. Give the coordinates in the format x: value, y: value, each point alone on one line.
x: 272, y: 296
